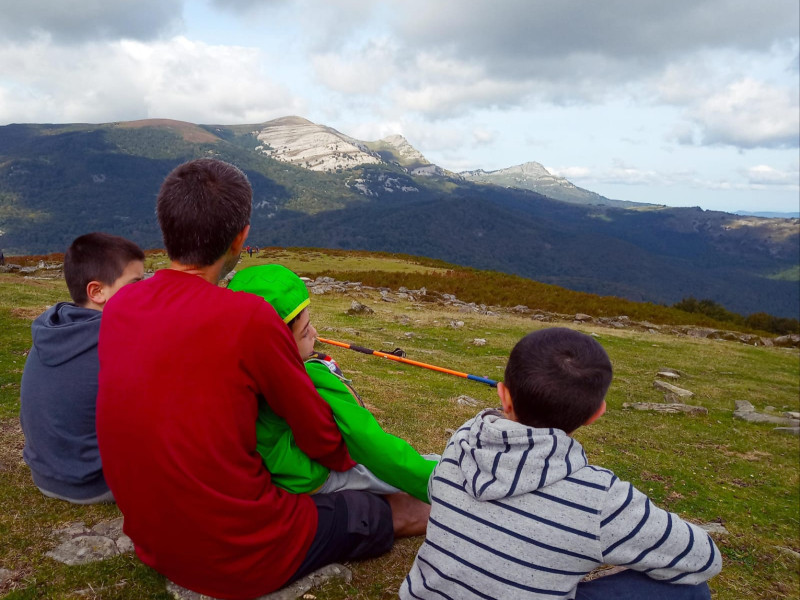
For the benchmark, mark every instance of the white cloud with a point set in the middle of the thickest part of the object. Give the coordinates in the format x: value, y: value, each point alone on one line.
x: 129, y: 80
x: 71, y: 21
x: 363, y: 71
x: 643, y: 36
x: 571, y: 172
x: 483, y: 137
x: 620, y: 173
x: 749, y: 114
x: 759, y: 177
x: 764, y: 175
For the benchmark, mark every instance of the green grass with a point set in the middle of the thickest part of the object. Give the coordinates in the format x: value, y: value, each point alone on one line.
x: 791, y: 274
x: 310, y: 262
x: 705, y: 468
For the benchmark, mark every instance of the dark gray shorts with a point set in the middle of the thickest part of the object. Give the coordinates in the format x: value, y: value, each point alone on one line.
x: 352, y: 524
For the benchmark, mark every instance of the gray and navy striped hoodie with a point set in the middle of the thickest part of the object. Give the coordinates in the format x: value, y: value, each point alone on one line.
x: 518, y: 512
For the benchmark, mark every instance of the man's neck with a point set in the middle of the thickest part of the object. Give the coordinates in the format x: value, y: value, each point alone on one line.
x: 211, y: 273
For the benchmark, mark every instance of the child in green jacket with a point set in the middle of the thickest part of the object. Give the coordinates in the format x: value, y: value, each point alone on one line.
x: 387, y: 464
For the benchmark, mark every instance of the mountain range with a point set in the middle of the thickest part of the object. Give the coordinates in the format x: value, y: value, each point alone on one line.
x: 315, y: 186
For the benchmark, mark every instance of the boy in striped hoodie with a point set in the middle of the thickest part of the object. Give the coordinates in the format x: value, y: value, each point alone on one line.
x: 518, y: 512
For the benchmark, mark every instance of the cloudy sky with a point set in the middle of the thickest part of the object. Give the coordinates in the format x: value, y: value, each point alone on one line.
x: 685, y: 103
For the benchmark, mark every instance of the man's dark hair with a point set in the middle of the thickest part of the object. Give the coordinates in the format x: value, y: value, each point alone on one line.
x: 97, y: 257
x: 557, y: 378
x: 202, y: 206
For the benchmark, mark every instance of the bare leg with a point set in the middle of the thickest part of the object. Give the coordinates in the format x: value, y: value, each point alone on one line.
x: 409, y: 515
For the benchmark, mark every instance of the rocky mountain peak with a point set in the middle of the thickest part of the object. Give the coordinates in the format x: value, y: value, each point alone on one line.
x: 530, y: 169
x: 533, y: 176
x: 315, y: 147
x: 405, y: 151
x: 288, y: 121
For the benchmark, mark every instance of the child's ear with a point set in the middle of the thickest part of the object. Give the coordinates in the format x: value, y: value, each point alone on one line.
x: 597, y: 414
x: 95, y: 291
x: 506, y: 402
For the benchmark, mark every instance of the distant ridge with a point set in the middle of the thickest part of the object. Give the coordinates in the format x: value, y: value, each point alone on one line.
x: 533, y: 176
x: 769, y: 215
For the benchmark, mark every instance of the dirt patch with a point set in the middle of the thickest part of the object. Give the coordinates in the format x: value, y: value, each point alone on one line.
x: 29, y: 313
x: 11, y: 443
x: 752, y: 456
x: 16, y: 581
x: 648, y: 476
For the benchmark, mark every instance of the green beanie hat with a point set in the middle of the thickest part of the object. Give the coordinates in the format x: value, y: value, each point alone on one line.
x: 279, y: 286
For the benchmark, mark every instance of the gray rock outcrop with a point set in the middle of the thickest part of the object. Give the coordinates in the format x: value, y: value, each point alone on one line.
x: 672, y: 393
x: 84, y: 549
x: 717, y: 528
x: 666, y: 408
x: 787, y: 341
x: 466, y: 400
x: 80, y: 545
x: 668, y: 375
x: 356, y: 308
x: 290, y: 592
x: 789, y: 430
x: 747, y: 412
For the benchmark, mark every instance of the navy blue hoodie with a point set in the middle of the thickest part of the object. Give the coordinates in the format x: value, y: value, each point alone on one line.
x: 58, y: 398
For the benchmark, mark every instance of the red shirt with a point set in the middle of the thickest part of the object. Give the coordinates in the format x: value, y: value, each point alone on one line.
x: 183, y: 365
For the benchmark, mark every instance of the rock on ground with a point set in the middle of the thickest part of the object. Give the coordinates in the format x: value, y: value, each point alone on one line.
x: 672, y: 389
x: 788, y: 341
x: 356, y: 308
x: 789, y: 430
x: 747, y: 412
x: 668, y: 375
x: 715, y: 528
x: 672, y: 393
x: 80, y: 545
x: 666, y: 408
x: 466, y: 401
x: 788, y: 552
x: 84, y: 549
x: 290, y: 592
x: 5, y: 575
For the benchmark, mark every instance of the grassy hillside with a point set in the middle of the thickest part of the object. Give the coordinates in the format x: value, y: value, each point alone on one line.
x: 709, y: 468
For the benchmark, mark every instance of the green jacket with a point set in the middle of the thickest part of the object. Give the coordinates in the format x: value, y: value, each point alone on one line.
x: 391, y: 459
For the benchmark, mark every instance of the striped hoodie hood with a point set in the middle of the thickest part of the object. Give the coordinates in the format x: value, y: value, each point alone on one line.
x: 501, y: 459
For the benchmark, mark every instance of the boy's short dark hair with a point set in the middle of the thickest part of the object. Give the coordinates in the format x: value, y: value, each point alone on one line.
x: 557, y: 378
x: 202, y: 206
x: 97, y: 257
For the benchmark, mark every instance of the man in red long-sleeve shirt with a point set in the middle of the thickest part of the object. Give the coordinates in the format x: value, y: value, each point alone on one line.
x: 183, y: 366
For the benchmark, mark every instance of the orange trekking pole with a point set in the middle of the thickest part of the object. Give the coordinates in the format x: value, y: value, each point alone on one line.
x: 400, y: 356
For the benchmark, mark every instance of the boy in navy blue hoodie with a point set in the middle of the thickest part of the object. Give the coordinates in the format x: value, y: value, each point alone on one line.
x: 59, y: 383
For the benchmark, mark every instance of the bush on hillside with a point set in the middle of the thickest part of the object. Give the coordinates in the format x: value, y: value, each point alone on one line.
x: 500, y: 289
x: 760, y: 321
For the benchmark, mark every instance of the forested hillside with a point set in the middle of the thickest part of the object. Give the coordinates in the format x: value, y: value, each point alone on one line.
x: 57, y: 182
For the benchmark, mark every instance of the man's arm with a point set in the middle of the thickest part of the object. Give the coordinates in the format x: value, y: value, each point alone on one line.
x: 272, y: 360
x: 635, y: 533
